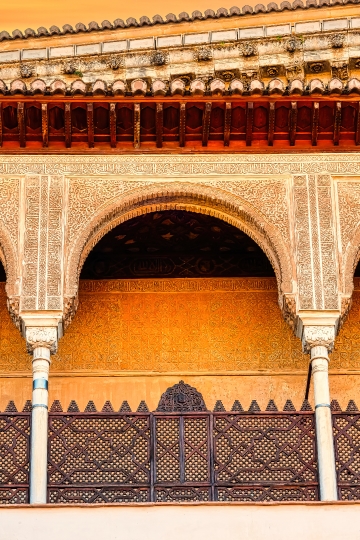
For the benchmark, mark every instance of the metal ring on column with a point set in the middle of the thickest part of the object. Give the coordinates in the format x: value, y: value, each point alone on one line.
x: 320, y: 357
x: 39, y: 405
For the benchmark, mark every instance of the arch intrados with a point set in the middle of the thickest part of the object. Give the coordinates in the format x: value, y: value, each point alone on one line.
x: 236, y: 212
x: 9, y: 261
x: 351, y: 260
x: 199, y: 209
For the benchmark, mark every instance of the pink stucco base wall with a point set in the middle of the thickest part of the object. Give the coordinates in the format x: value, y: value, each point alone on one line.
x: 207, y: 521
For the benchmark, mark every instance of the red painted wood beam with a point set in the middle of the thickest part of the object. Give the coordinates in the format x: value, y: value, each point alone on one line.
x: 271, y: 127
x: 68, y: 125
x: 137, y: 125
x: 44, y: 125
x: 337, y: 123
x: 227, y: 124
x: 182, y: 124
x: 206, y: 123
x: 249, y: 122
x: 293, y: 123
x: 21, y: 124
x: 90, y: 123
x: 159, y: 124
x: 315, y: 123
x: 357, y: 127
x: 112, y: 113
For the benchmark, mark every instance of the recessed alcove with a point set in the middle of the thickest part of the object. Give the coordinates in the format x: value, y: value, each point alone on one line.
x: 175, y: 244
x: 173, y: 295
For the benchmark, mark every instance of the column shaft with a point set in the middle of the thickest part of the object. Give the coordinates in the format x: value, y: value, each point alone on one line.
x: 39, y: 426
x: 324, y: 431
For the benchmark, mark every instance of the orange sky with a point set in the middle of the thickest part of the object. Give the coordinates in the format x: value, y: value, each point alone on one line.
x: 24, y: 14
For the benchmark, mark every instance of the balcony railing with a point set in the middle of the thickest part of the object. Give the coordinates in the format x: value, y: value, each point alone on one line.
x: 178, y: 456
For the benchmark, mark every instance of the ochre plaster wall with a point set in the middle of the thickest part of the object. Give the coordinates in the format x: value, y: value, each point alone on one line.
x: 179, y: 326
x: 133, y: 339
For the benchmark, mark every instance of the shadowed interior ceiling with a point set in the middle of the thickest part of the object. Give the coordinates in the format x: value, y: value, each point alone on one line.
x: 2, y: 273
x: 357, y: 270
x: 175, y: 244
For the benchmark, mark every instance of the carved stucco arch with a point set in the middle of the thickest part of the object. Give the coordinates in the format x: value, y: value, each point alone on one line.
x: 351, y: 259
x: 9, y: 260
x: 178, y: 196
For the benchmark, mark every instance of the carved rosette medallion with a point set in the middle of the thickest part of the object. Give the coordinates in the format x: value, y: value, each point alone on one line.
x: 41, y: 336
x: 318, y: 336
x: 181, y: 398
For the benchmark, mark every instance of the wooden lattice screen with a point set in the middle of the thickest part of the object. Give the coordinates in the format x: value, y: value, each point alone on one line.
x: 346, y: 428
x: 189, y: 456
x: 14, y: 455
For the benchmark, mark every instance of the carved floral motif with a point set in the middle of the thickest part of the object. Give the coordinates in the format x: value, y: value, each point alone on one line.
x: 292, y: 44
x: 159, y: 58
x: 41, y: 337
x: 203, y: 54
x: 318, y: 336
x: 337, y: 40
x: 248, y: 49
x: 115, y: 62
x: 181, y: 398
x: 27, y: 71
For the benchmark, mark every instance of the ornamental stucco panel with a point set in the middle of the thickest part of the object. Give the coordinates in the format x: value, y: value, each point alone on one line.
x: 316, y: 260
x: 9, y: 230
x: 285, y: 202
x: 257, y: 206
x: 348, y: 195
x: 42, y: 243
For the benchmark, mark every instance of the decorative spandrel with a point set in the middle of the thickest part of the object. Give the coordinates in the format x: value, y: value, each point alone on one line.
x: 181, y: 398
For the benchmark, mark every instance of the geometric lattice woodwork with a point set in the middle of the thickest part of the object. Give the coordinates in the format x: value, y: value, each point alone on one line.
x: 182, y: 456
x: 265, y: 457
x: 14, y: 458
x: 346, y: 429
x: 99, y: 457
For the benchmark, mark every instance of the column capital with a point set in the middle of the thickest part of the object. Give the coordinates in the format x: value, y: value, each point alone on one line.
x: 318, y: 336
x: 41, y: 336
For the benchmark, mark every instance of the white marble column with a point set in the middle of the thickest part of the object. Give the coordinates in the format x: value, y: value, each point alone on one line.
x: 41, y: 342
x: 318, y: 341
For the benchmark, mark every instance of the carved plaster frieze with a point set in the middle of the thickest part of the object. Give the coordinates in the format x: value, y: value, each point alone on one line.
x: 41, y: 336
x: 316, y: 260
x: 182, y: 166
x: 43, y: 243
x: 318, y: 336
